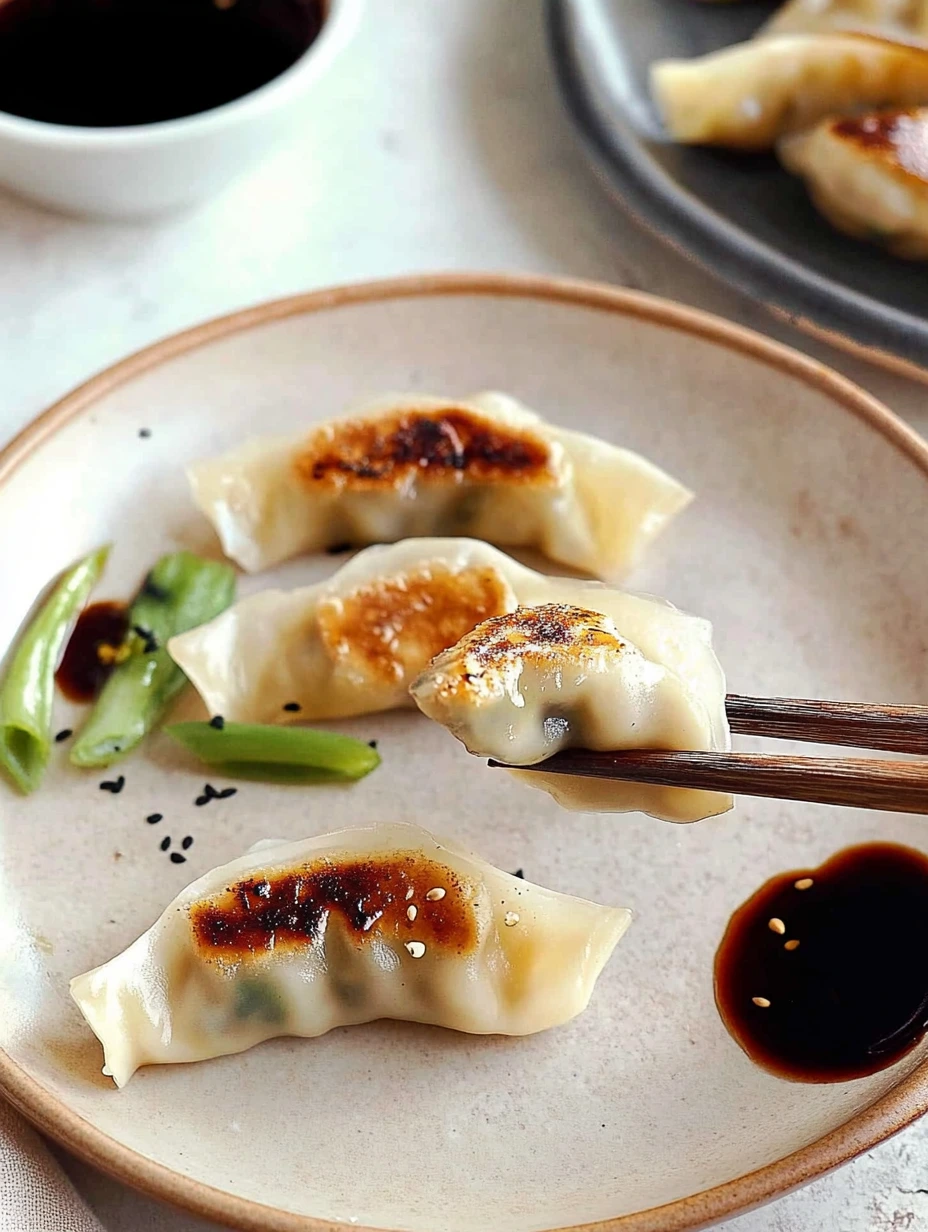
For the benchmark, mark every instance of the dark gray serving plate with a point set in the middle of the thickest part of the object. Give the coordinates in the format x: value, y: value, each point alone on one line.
x: 743, y: 218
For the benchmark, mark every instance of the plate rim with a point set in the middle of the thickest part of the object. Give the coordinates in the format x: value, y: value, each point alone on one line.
x: 800, y: 297
x: 888, y: 1115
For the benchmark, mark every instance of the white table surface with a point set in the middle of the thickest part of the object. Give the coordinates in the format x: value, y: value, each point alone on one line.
x: 437, y: 142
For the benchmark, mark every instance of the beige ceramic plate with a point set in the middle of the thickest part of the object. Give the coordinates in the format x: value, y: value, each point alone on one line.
x: 804, y: 547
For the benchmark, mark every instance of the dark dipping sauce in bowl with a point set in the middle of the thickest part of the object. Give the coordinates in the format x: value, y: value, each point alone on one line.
x: 849, y: 999
x: 109, y: 63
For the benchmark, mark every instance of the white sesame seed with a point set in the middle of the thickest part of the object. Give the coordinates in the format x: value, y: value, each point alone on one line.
x: 804, y: 883
x: 434, y: 895
x: 415, y: 948
x: 412, y: 911
x: 410, y: 893
x: 762, y: 1002
x: 511, y: 918
x: 776, y: 925
x: 791, y: 945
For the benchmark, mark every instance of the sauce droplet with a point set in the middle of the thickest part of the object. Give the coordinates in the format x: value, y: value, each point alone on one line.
x: 847, y: 995
x: 83, y: 673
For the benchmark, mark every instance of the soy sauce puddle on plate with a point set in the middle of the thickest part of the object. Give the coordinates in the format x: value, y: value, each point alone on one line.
x: 107, y: 63
x: 849, y: 999
x: 83, y: 672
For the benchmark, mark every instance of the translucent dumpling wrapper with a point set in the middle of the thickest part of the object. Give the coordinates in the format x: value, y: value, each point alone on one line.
x: 354, y: 643
x: 526, y: 685
x: 749, y: 95
x: 486, y: 467
x: 367, y: 923
x: 906, y: 19
x: 869, y: 176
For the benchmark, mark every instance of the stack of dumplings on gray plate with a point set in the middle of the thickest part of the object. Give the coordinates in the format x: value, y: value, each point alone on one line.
x: 387, y: 921
x: 840, y: 89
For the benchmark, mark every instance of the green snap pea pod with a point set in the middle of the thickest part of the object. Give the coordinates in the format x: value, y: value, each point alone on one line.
x: 273, y: 754
x: 27, y: 692
x: 181, y: 592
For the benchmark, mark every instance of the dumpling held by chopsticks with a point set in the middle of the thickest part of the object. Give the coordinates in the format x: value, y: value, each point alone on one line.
x: 523, y: 686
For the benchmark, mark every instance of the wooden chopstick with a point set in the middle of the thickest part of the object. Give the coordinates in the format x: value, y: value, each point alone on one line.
x: 901, y: 729
x: 852, y: 782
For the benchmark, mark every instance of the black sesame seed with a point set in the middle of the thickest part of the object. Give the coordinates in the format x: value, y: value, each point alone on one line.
x: 372, y: 744
x: 226, y: 793
x: 151, y: 588
x: 293, y: 707
x: 210, y: 791
x: 165, y: 842
x: 114, y: 785
x: 154, y: 818
x: 201, y: 800
x: 144, y: 433
x: 218, y: 722
x: 150, y: 642
x: 177, y: 858
x: 519, y: 873
x: 64, y: 734
x: 187, y: 843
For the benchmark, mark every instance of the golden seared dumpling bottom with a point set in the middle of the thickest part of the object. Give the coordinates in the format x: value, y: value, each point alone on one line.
x: 868, y: 175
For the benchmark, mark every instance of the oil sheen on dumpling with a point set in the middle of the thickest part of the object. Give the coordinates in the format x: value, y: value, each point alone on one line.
x: 523, y: 686
x: 747, y: 96
x: 378, y: 922
x: 485, y: 467
x: 869, y: 176
x: 354, y: 643
x: 906, y: 19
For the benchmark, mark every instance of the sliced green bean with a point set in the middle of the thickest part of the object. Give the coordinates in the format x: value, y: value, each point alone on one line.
x: 181, y: 592
x: 277, y: 754
x: 28, y: 689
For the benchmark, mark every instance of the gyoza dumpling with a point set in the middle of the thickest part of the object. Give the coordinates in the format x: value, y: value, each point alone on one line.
x: 523, y: 686
x: 893, y: 18
x: 379, y: 922
x: 354, y: 643
x: 869, y: 176
x: 748, y: 95
x: 485, y: 467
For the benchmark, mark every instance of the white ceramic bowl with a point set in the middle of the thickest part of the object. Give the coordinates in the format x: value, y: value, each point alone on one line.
x: 154, y: 168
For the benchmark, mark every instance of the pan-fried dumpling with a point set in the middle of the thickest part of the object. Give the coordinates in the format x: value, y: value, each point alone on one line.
x: 354, y: 643
x: 379, y: 922
x: 749, y: 95
x: 906, y: 19
x: 869, y: 176
x: 523, y: 686
x: 485, y: 467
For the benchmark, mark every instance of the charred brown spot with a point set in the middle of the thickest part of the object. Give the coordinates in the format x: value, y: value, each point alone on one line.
x: 553, y: 632
x: 446, y: 446
x: 394, y: 626
x: 900, y: 136
x: 533, y: 630
x: 290, y: 909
